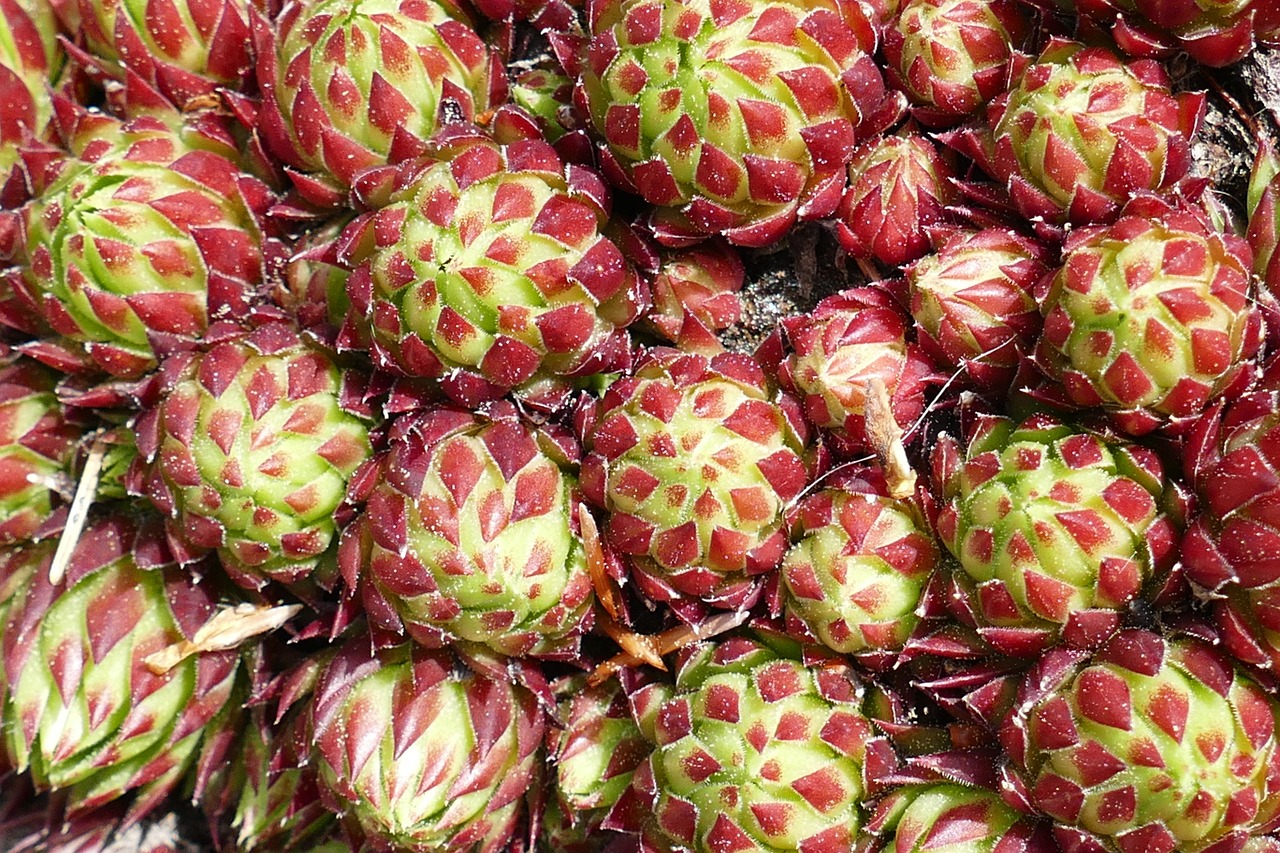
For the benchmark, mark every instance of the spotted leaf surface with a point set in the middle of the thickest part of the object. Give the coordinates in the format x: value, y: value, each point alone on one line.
x: 183, y: 49
x: 416, y: 753
x: 1152, y: 744
x: 344, y: 84
x: 471, y: 534
x: 1150, y: 318
x: 736, y: 118
x: 942, y: 817
x: 1232, y: 546
x: 30, y: 59
x: 1082, y: 130
x: 695, y: 460
x: 1057, y: 531
x: 490, y: 271
x: 952, y: 56
x: 248, y: 451
x: 856, y: 574
x: 758, y: 752
x: 898, y: 188
x: 850, y: 340
x: 595, y: 755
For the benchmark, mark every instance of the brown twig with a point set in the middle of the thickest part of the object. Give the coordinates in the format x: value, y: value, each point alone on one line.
x: 669, y: 641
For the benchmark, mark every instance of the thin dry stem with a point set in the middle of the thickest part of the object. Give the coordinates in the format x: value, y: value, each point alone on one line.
x: 226, y: 630
x: 669, y: 641
x: 78, y: 514
x: 886, y: 439
x: 643, y: 647
x: 606, y: 590
x: 1247, y: 119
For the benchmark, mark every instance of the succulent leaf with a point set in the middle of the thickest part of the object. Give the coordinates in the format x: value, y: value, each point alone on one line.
x: 416, y: 753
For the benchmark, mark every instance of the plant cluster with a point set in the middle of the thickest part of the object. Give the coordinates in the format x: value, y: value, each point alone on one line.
x: 377, y: 472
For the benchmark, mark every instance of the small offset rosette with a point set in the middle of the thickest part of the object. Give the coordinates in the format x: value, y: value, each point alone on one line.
x: 1057, y: 531
x: 758, y: 747
x: 1232, y: 545
x: 248, y: 448
x: 951, y: 817
x: 486, y: 266
x: 415, y: 752
x: 181, y: 49
x: 593, y: 754
x: 695, y: 461
x: 973, y: 302
x: 855, y: 578
x: 899, y: 187
x: 1216, y: 33
x: 835, y: 357
x: 469, y: 535
x: 953, y: 56
x: 31, y: 60
x: 38, y: 441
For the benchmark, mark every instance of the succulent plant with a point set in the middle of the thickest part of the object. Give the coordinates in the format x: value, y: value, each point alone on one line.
x: 695, y: 460
x: 346, y: 89
x: 898, y: 188
x: 263, y: 794
x: 953, y: 56
x: 1082, y: 130
x: 1230, y: 547
x: 1214, y: 32
x: 183, y: 48
x: 1264, y: 215
x: 974, y: 305
x: 1151, y: 317
x: 858, y: 570
x: 698, y: 286
x: 594, y: 755
x: 756, y: 751
x: 735, y: 119
x: 248, y: 450
x: 415, y: 752
x: 313, y: 287
x: 486, y: 266
x: 84, y: 713
x: 469, y: 534
x: 142, y: 240
x: 1148, y: 744
x: 419, y: 331
x: 546, y: 95
x: 1057, y: 531
x: 37, y: 442
x: 946, y: 817
x: 30, y: 61
x: 279, y: 806
x: 833, y: 355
